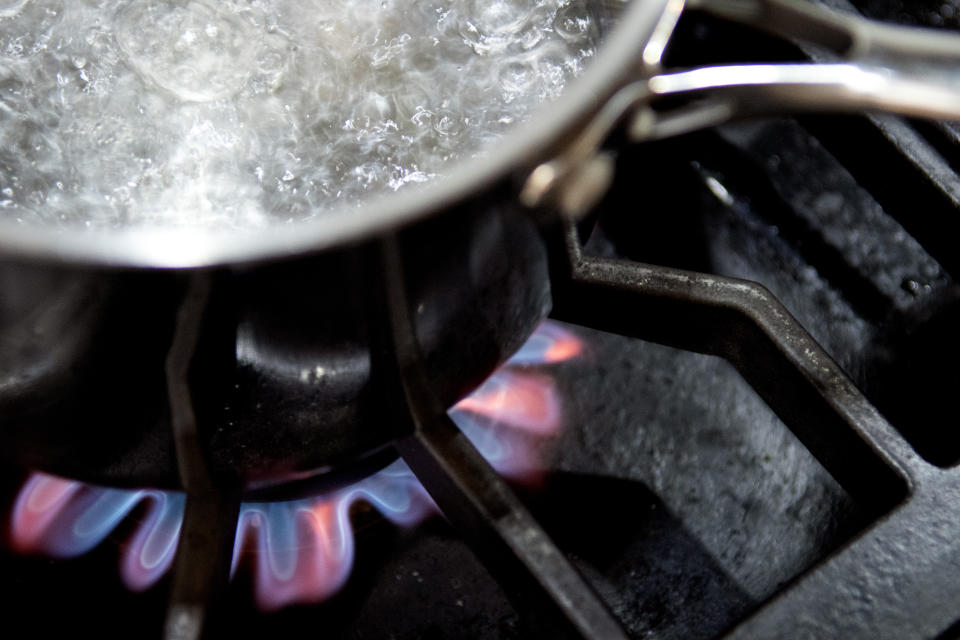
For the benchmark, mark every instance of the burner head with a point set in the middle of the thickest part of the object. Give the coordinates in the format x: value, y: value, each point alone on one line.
x: 294, y: 374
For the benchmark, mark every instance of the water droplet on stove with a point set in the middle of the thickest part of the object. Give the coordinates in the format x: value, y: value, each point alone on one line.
x: 912, y: 287
x: 718, y: 190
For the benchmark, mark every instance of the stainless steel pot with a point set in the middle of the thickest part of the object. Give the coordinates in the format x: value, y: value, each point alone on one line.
x: 294, y: 371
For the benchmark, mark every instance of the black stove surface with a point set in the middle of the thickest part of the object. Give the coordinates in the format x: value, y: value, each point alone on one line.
x: 677, y: 492
x: 673, y: 487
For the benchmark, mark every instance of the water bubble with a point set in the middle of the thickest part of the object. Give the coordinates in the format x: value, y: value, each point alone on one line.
x: 517, y: 76
x: 10, y: 8
x: 411, y: 101
x: 572, y: 24
x: 447, y: 123
x: 500, y: 16
x: 423, y: 117
x: 25, y: 26
x: 209, y: 113
x: 172, y: 44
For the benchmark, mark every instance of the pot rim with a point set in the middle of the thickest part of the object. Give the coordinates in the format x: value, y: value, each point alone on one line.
x: 520, y: 148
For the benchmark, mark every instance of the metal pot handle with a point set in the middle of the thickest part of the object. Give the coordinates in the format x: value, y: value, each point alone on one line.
x: 880, y: 73
x: 852, y: 36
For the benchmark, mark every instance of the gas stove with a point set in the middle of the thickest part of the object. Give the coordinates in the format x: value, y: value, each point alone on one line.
x: 738, y: 425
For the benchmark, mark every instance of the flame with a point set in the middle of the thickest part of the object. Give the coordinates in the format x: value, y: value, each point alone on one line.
x: 523, y: 401
x: 152, y: 548
x: 64, y: 518
x: 550, y: 343
x: 37, y: 506
x: 301, y: 550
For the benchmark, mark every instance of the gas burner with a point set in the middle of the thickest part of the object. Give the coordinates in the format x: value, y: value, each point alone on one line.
x: 757, y: 355
x: 303, y: 548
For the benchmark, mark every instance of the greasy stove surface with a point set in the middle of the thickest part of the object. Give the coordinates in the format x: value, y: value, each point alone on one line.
x: 678, y: 493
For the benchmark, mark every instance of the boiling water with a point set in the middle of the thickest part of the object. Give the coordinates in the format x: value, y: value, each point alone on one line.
x: 213, y: 113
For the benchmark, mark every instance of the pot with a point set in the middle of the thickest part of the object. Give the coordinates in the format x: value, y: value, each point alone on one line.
x: 294, y: 371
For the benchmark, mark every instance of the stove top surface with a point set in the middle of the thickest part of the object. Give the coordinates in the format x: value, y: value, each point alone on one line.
x: 673, y: 487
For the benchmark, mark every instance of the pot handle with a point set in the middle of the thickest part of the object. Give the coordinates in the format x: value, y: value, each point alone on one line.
x: 847, y: 34
x: 881, y: 73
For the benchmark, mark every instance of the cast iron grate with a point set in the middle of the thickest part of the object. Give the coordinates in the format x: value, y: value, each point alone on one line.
x: 897, y: 579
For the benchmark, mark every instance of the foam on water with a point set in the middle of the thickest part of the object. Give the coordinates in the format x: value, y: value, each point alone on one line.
x: 212, y: 113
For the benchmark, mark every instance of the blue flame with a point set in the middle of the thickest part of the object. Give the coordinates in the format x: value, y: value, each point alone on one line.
x: 303, y: 549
